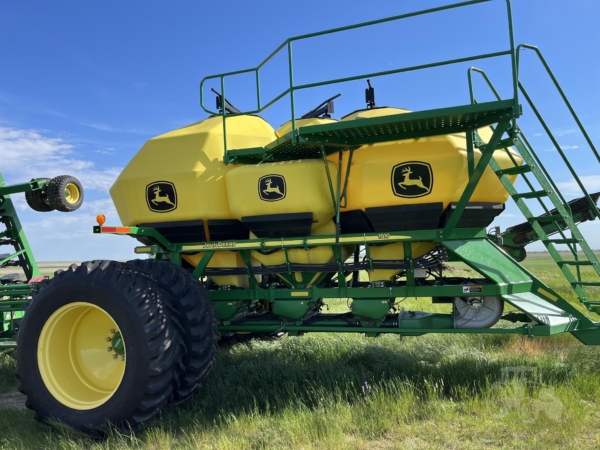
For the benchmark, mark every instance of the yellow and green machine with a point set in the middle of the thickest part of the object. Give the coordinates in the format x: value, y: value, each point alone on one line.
x: 250, y: 230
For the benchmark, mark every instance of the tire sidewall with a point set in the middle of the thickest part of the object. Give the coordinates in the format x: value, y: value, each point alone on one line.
x: 121, y: 405
x: 56, y: 193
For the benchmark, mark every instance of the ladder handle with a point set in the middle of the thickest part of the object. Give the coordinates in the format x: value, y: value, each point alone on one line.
x: 539, y: 164
x: 560, y: 151
x: 524, y: 140
x: 560, y: 91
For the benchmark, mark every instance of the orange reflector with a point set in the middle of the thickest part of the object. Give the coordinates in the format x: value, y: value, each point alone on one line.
x: 115, y: 230
x: 100, y: 218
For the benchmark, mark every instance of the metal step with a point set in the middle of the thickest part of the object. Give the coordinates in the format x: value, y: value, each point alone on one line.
x: 517, y: 170
x: 533, y: 194
x: 546, y: 218
x: 504, y: 143
x: 574, y: 263
x: 564, y: 216
x: 561, y: 241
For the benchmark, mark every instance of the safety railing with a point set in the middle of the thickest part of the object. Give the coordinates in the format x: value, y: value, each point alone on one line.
x: 523, y: 145
x: 545, y: 126
x: 293, y: 88
x: 521, y: 136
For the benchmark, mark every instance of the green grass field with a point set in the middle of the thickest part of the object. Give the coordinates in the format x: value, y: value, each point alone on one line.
x: 337, y: 391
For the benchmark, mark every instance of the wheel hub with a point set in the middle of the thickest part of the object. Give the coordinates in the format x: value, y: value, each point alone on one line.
x: 475, y: 303
x: 75, y: 363
x: 72, y: 193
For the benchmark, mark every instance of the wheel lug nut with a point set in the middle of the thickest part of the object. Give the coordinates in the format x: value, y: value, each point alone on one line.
x: 122, y: 358
x: 108, y: 339
x: 109, y: 349
x: 113, y: 331
x: 115, y: 356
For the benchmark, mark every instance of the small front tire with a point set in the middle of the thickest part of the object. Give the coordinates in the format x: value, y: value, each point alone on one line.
x: 38, y: 200
x: 65, y: 193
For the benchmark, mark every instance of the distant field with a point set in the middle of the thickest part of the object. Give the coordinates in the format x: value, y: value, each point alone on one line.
x: 342, y: 391
x: 47, y: 268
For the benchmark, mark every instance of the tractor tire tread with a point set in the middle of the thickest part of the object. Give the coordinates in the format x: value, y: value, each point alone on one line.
x: 36, y: 201
x: 198, y: 320
x: 55, y: 193
x: 162, y: 337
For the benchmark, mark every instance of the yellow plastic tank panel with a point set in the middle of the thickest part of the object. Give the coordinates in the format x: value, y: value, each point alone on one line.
x: 282, y: 188
x: 223, y: 259
x: 180, y: 175
x: 314, y: 255
x: 287, y: 127
x: 414, y: 171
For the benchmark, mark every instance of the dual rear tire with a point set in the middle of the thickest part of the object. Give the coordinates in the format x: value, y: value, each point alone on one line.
x: 63, y: 193
x: 108, y: 343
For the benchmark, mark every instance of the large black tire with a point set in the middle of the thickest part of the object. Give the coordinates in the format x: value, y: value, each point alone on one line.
x: 197, y: 317
x: 65, y: 193
x: 38, y: 200
x: 150, y: 331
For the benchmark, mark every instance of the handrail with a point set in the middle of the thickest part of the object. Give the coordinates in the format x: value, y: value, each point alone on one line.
x: 560, y: 151
x: 525, y: 141
x: 560, y: 91
x: 291, y: 89
x: 547, y: 129
x: 321, y: 33
x: 545, y: 126
x: 529, y: 149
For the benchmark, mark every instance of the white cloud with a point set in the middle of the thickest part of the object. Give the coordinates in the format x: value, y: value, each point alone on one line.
x: 567, y: 131
x: 56, y: 236
x: 590, y: 182
x: 78, y: 223
x: 563, y: 147
x: 106, y: 151
x: 30, y: 154
x: 105, y: 127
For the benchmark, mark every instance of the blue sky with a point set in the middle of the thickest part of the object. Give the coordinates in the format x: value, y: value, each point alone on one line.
x: 84, y: 84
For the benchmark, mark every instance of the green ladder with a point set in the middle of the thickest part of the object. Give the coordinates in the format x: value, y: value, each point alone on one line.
x: 560, y: 219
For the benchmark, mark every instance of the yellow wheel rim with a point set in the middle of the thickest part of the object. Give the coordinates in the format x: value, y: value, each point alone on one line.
x: 81, y: 356
x: 72, y: 193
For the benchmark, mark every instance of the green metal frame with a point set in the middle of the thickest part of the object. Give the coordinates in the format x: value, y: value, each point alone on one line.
x: 294, y: 304
x: 14, y: 297
x: 293, y: 142
x: 561, y: 218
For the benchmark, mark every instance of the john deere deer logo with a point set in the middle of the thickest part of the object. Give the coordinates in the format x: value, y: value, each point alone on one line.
x: 271, y: 188
x: 412, y: 179
x: 161, y: 196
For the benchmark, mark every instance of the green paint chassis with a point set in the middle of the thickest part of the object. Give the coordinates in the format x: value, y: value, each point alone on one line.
x: 284, y: 302
x: 276, y: 308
